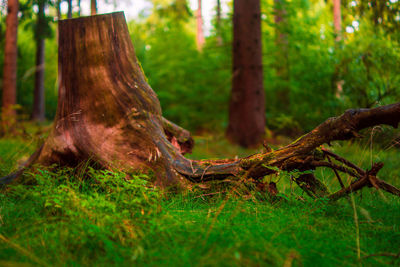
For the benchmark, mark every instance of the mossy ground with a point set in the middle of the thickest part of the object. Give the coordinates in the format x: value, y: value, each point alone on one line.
x: 75, y: 218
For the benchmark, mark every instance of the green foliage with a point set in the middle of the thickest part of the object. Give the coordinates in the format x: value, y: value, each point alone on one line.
x: 369, y: 67
x: 193, y: 87
x: 383, y: 14
x: 86, y: 217
x: 31, y: 19
x: 310, y: 64
x: 284, y: 124
x: 65, y: 194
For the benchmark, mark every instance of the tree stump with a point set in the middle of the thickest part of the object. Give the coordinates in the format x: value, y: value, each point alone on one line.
x: 106, y: 110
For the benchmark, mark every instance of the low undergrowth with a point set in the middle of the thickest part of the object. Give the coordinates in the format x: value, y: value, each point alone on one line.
x: 91, y: 217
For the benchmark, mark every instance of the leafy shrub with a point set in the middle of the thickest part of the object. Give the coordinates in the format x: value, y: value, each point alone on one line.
x: 369, y: 68
x: 99, y: 211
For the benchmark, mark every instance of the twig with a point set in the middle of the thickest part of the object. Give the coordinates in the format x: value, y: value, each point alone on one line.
x: 334, y: 166
x: 382, y: 254
x: 205, y: 169
x: 344, y: 161
x: 336, y: 173
x: 387, y: 187
x: 359, y: 184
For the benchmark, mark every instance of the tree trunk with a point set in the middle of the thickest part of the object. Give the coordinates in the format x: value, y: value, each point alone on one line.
x: 69, y: 9
x: 337, y: 20
x: 38, y: 113
x: 282, y: 60
x: 247, y: 103
x: 200, y: 34
x: 93, y: 7
x: 58, y: 8
x: 79, y: 8
x: 108, y: 115
x: 10, y: 62
x: 218, y: 14
x: 218, y: 23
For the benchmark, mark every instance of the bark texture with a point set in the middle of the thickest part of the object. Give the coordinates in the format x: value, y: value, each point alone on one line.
x: 247, y: 103
x: 10, y: 60
x: 109, y: 115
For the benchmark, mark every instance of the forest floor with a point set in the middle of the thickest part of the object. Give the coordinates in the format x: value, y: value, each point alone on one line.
x: 86, y: 217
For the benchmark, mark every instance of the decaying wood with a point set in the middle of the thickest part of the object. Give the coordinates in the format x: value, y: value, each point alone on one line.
x: 107, y: 113
x: 178, y: 137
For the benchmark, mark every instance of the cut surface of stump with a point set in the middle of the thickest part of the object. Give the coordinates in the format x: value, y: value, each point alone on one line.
x: 109, y: 115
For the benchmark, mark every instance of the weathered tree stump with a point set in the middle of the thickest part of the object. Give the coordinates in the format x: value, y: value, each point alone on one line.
x: 108, y: 114
x: 106, y: 110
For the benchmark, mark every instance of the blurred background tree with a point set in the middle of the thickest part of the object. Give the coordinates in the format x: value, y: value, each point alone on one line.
x: 247, y: 98
x: 10, y: 65
x: 303, y: 61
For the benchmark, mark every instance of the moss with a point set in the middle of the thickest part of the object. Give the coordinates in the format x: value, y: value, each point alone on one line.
x: 318, y: 153
x: 298, y: 139
x: 141, y: 68
x: 252, y: 161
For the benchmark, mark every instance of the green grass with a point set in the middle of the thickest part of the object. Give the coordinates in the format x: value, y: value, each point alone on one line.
x: 75, y: 218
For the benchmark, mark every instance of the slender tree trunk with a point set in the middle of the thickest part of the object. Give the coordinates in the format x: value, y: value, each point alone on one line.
x: 79, y: 8
x: 59, y: 16
x: 247, y: 103
x: 337, y: 22
x: 282, y: 60
x: 69, y: 9
x: 10, y: 62
x: 218, y: 13
x: 38, y: 113
x: 218, y: 24
x: 337, y: 19
x: 200, y: 34
x: 58, y: 7
x: 93, y: 7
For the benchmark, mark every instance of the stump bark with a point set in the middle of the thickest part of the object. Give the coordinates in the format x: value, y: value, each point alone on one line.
x: 108, y: 114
